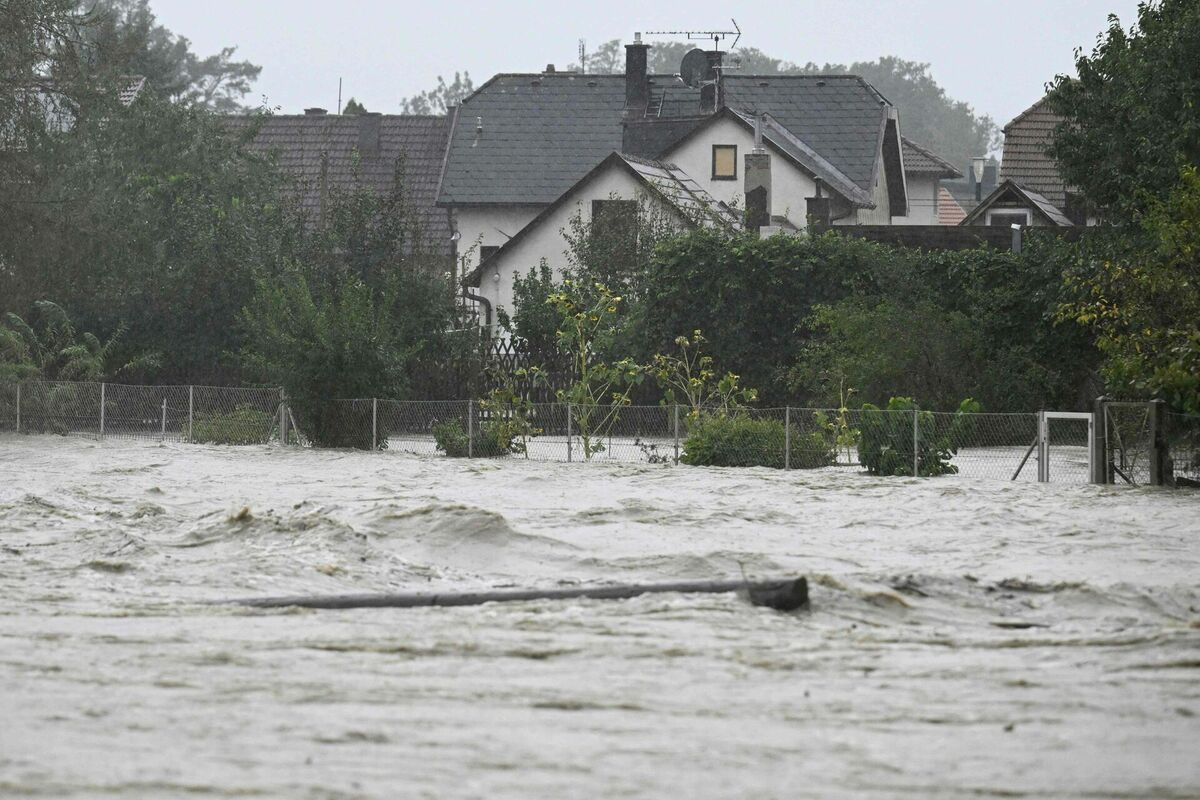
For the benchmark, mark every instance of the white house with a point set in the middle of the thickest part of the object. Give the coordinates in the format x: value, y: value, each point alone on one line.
x: 620, y: 179
x: 784, y: 150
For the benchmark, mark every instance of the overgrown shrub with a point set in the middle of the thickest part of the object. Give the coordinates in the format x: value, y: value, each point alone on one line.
x: 244, y: 425
x: 742, y: 441
x: 886, y: 438
x: 489, y: 440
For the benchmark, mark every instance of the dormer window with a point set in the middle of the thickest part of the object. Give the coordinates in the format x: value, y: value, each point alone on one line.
x: 724, y: 162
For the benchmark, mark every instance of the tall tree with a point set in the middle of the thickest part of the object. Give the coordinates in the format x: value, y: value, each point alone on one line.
x: 1132, y: 110
x: 438, y: 99
x: 126, y: 39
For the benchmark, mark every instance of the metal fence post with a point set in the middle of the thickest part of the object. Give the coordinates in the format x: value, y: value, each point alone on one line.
x: 162, y: 432
x: 1100, y: 471
x: 470, y: 429
x: 102, y: 410
x: 191, y: 407
x: 374, y: 423
x: 283, y: 431
x: 787, y: 437
x: 18, y: 408
x: 676, y: 432
x: 1043, y: 448
x: 1158, y: 445
x: 568, y: 431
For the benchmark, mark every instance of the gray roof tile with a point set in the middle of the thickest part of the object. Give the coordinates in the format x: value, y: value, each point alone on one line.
x: 306, y: 144
x: 547, y: 131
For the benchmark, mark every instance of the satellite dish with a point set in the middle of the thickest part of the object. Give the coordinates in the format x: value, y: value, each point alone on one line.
x: 694, y: 67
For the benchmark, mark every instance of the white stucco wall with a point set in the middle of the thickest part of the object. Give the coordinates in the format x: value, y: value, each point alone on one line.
x: 488, y: 225
x: 922, y: 201
x: 545, y: 241
x: 790, y: 187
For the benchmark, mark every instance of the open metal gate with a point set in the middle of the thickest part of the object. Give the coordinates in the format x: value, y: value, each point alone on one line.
x: 1066, y: 446
x: 1133, y: 446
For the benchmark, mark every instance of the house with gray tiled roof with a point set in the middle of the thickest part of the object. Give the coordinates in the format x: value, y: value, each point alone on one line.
x: 325, y: 153
x: 780, y: 149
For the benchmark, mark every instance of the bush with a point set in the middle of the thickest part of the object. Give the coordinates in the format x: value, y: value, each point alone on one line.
x: 244, y: 425
x: 489, y: 440
x: 742, y: 441
x: 886, y: 438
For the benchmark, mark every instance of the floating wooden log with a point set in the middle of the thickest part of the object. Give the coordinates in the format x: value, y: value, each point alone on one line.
x: 783, y: 595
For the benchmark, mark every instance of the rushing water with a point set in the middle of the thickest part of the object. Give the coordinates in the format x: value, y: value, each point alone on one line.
x: 977, y: 638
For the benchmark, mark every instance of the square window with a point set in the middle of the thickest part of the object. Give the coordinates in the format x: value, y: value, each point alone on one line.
x: 486, y: 250
x: 724, y: 162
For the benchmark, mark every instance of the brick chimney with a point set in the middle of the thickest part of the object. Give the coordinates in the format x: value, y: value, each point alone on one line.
x: 368, y: 133
x: 314, y: 112
x: 758, y: 182
x: 637, y: 84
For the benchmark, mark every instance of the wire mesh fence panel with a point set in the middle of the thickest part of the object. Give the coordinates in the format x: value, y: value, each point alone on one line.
x: 623, y: 433
x: 418, y: 427
x: 985, y: 445
x: 61, y: 407
x: 9, y: 411
x: 231, y: 415
x: 1128, y: 440
x: 1181, y: 432
x: 545, y: 434
x: 145, y: 412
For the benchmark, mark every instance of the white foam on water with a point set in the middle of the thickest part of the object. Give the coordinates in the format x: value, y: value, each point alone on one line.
x: 967, y: 637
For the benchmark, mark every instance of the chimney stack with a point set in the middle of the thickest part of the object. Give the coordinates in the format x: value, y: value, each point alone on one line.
x: 314, y: 112
x: 711, y: 96
x: 758, y: 182
x: 637, y: 84
x: 368, y: 133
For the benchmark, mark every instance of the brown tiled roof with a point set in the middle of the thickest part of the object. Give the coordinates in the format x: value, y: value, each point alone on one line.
x: 919, y: 161
x: 307, y: 144
x: 1025, y: 160
x: 949, y: 212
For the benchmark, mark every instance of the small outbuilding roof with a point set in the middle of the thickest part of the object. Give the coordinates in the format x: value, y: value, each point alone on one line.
x: 1010, y: 190
x: 920, y: 161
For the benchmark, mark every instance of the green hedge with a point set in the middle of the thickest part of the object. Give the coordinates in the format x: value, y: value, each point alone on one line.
x: 742, y: 441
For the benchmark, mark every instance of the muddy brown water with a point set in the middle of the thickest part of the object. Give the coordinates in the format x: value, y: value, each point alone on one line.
x: 966, y: 638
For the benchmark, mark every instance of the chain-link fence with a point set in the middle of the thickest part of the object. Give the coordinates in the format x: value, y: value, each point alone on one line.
x: 202, y: 414
x: 1181, y: 433
x: 1026, y: 447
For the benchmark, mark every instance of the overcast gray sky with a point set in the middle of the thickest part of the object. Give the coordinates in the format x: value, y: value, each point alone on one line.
x: 996, y: 56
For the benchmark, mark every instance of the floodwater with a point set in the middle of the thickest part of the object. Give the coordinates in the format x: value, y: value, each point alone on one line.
x: 966, y: 638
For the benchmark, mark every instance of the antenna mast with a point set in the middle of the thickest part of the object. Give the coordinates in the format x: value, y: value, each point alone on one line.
x: 716, y: 36
x: 583, y: 56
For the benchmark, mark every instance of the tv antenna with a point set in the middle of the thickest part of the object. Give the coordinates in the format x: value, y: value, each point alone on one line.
x: 716, y: 36
x: 583, y: 56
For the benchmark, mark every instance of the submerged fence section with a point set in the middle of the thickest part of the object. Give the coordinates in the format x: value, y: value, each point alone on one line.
x: 1120, y: 443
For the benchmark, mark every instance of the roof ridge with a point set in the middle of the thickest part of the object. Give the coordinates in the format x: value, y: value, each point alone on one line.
x: 1027, y: 112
